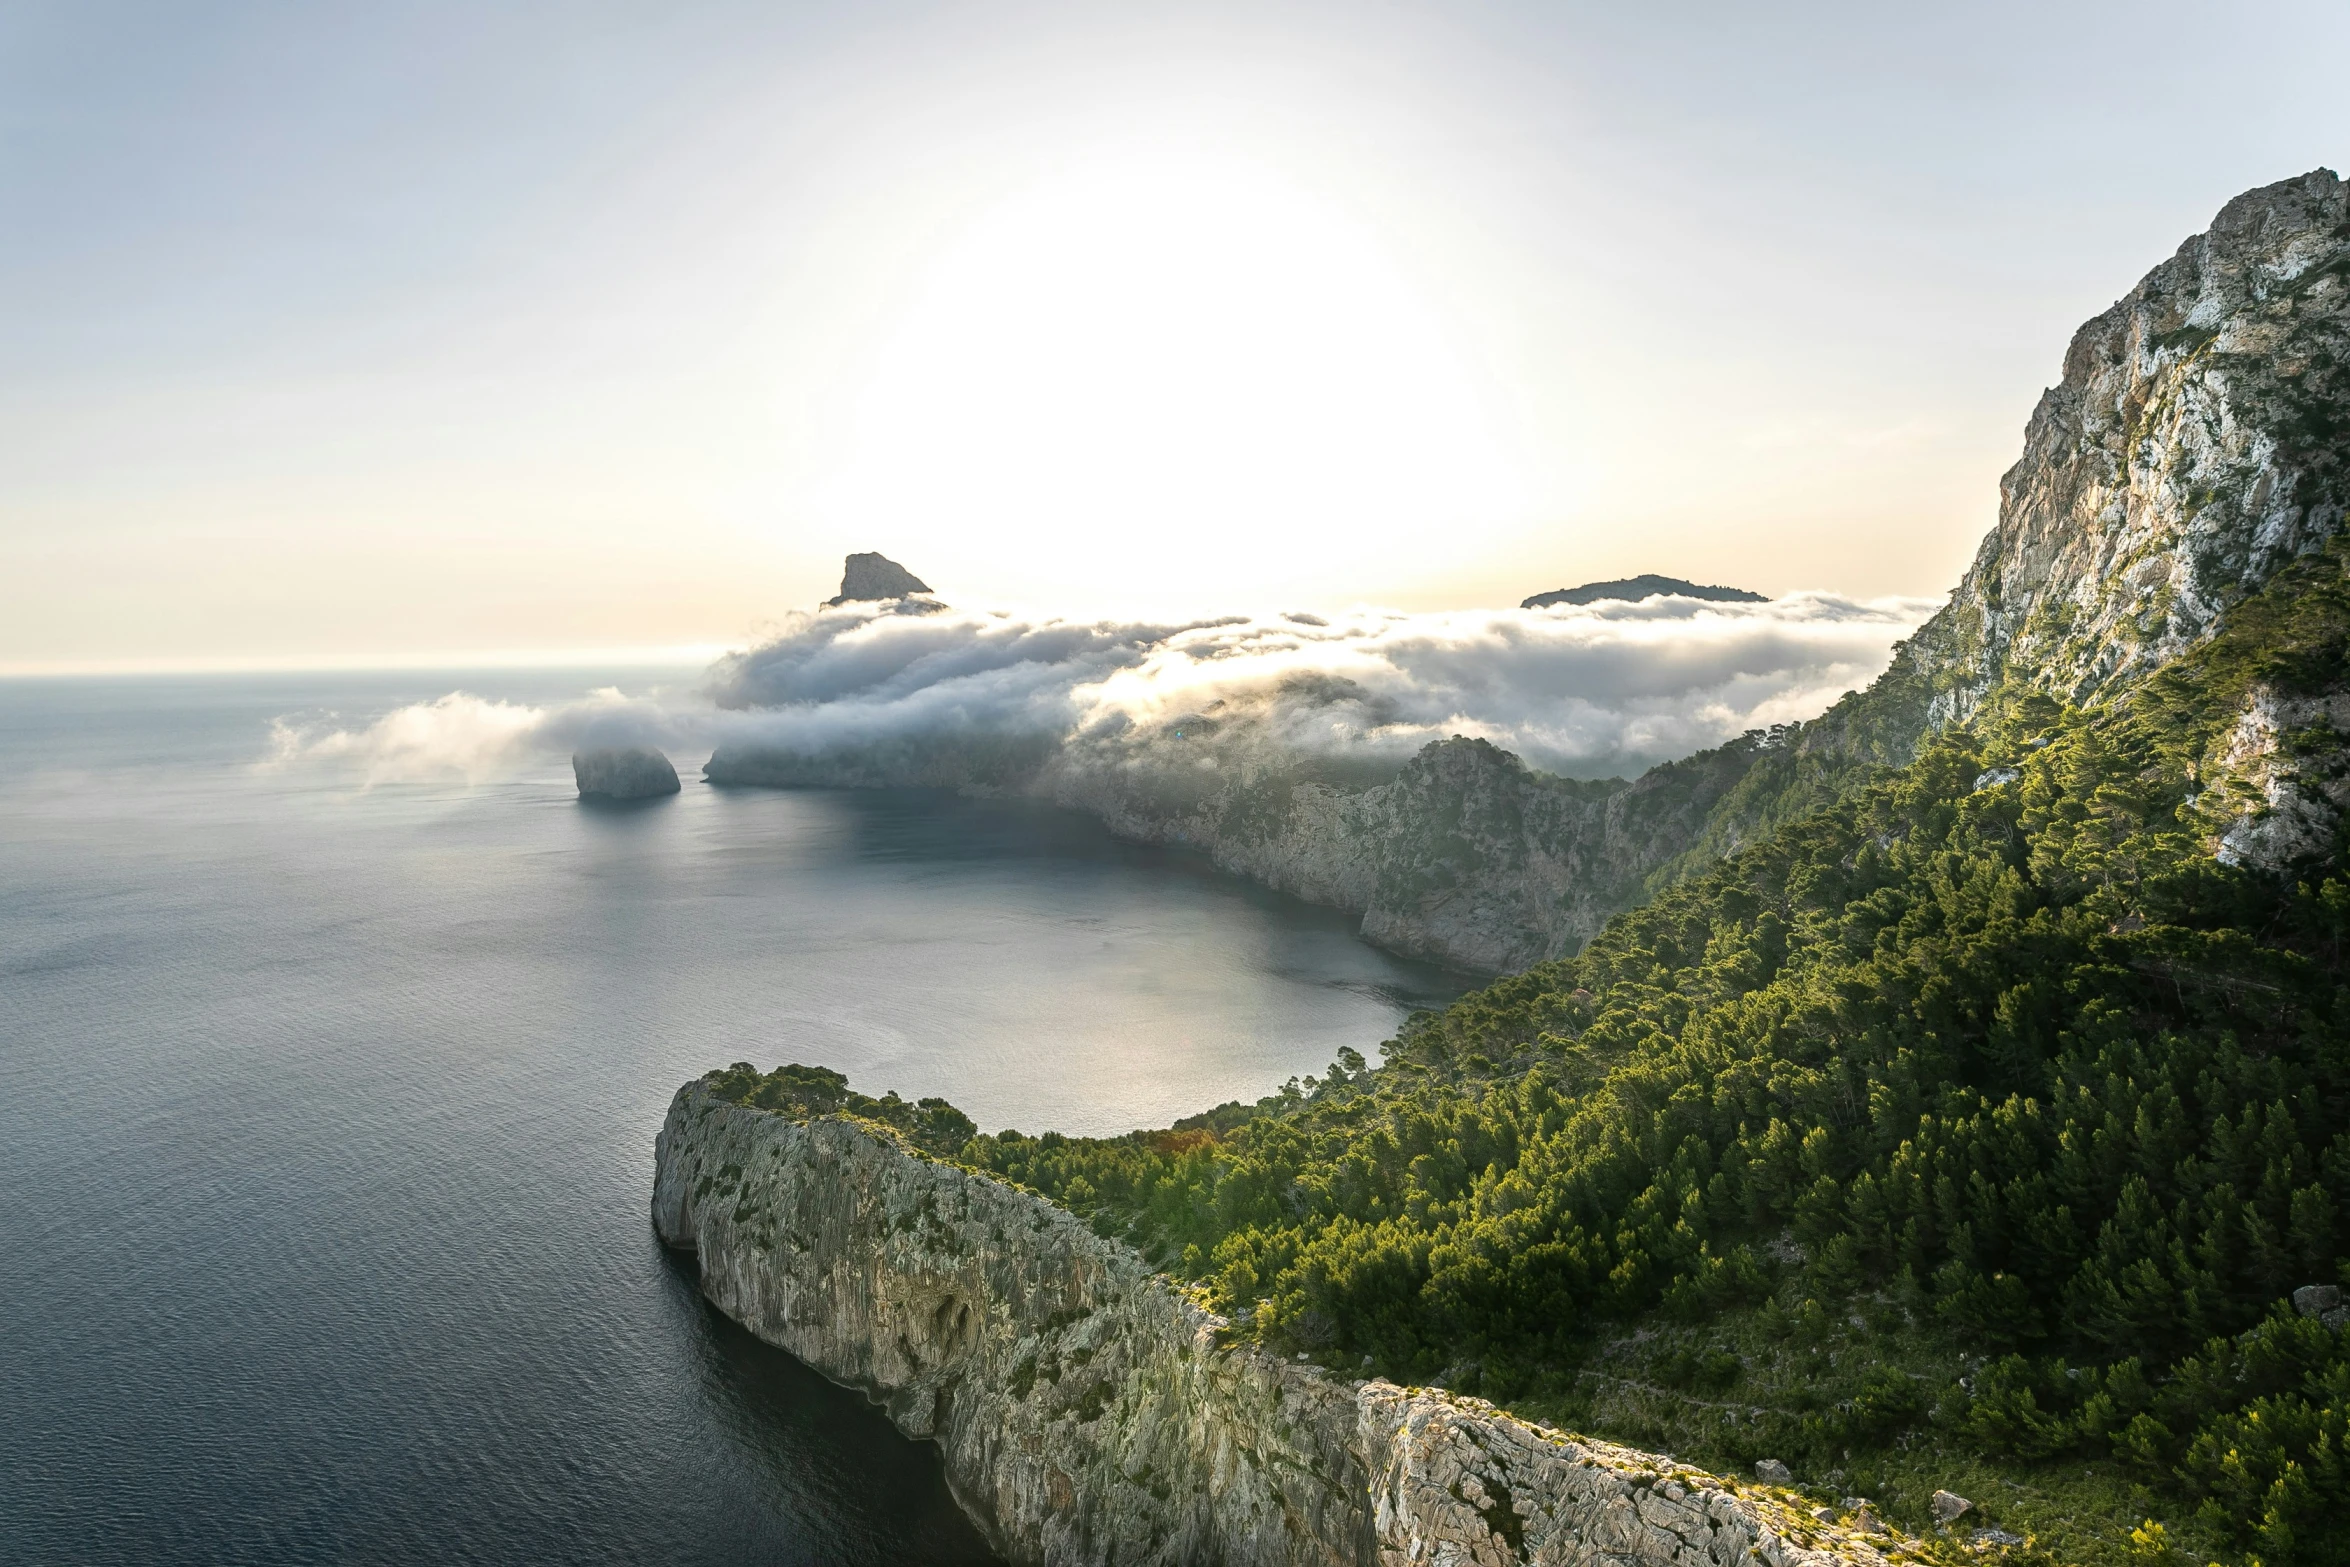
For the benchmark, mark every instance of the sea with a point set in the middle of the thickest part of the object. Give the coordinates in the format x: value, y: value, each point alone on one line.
x: 327, y: 1109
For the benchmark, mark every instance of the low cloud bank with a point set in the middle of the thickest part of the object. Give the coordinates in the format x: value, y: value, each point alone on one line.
x: 1590, y: 690
x: 461, y: 735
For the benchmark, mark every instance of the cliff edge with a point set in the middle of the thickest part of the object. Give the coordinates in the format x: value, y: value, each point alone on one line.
x: 1089, y: 1413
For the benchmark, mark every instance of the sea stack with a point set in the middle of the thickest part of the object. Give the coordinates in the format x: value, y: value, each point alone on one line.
x: 623, y: 772
x: 874, y: 578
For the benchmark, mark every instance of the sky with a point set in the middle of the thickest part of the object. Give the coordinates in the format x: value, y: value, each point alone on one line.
x: 344, y: 334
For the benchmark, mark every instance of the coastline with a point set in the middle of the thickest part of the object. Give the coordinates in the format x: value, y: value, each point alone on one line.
x: 1088, y: 1411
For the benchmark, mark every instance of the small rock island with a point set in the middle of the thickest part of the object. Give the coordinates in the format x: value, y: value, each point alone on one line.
x: 623, y: 772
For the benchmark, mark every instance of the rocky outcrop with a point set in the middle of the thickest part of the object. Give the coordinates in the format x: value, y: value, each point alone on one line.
x: 632, y: 772
x: 872, y: 577
x: 1088, y: 1412
x: 1647, y: 585
x: 2199, y: 441
x: 2280, y: 782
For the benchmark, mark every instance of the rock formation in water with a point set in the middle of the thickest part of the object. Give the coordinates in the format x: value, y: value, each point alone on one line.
x: 631, y: 772
x: 2198, y: 443
x: 873, y: 577
x: 1090, y: 1413
x: 1647, y: 585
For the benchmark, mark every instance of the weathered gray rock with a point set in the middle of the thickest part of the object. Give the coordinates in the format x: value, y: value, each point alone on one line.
x: 872, y: 577
x: 2315, y: 1300
x: 2194, y: 446
x: 1088, y: 1411
x: 1772, y: 1472
x: 630, y: 772
x: 1468, y: 856
x: 1948, y: 1506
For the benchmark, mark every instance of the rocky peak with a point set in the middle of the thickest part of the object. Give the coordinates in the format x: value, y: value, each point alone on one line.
x: 1647, y: 585
x: 871, y: 576
x: 2196, y: 444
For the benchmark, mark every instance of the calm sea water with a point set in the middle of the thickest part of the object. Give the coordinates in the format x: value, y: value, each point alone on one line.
x: 326, y: 1121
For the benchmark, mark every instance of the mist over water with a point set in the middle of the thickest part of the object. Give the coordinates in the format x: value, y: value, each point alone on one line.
x: 909, y: 691
x: 326, y: 1118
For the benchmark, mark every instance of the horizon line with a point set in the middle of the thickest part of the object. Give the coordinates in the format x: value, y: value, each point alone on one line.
x: 677, y: 654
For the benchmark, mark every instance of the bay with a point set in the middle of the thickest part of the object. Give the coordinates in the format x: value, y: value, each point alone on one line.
x: 326, y: 1118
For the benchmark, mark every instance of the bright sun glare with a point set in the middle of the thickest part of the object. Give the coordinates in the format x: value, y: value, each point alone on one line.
x: 1172, y: 348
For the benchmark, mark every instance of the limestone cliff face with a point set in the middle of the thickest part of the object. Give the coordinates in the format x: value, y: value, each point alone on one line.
x: 1467, y: 856
x: 1089, y: 1413
x: 2277, y: 788
x: 2196, y: 444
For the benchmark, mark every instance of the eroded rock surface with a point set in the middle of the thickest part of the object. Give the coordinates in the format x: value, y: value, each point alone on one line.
x: 1468, y: 856
x: 871, y: 577
x: 2196, y: 444
x: 1089, y: 1412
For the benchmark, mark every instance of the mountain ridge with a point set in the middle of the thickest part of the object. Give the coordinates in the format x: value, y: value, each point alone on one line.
x: 1633, y: 590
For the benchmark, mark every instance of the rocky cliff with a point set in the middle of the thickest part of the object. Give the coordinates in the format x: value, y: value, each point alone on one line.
x: 1467, y: 856
x: 1089, y: 1413
x: 2199, y: 441
x: 874, y: 576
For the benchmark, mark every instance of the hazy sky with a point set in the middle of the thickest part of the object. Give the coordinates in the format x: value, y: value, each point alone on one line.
x: 340, y: 331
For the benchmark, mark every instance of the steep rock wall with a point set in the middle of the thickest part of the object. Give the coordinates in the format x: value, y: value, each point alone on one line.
x: 2199, y: 441
x: 1467, y: 856
x: 1089, y: 1413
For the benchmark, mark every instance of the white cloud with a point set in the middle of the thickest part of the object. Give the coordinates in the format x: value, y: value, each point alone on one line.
x: 1599, y: 688
x: 472, y: 737
x: 1587, y: 690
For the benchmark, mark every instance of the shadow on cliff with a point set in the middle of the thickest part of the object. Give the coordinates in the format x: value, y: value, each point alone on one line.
x: 819, y: 1448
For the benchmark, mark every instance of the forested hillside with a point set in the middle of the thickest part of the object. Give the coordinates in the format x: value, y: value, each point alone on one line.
x: 1972, y: 1131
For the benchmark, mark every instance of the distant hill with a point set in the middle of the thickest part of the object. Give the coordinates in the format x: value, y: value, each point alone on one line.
x: 1647, y: 585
